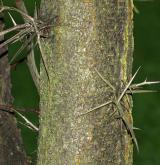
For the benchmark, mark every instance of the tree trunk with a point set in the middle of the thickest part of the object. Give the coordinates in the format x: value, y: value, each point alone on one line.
x: 89, y: 35
x: 11, y: 149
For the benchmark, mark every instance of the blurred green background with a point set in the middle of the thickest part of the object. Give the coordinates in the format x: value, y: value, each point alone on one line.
x: 146, y: 110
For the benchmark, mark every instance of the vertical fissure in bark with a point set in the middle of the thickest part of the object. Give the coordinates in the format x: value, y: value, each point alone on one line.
x: 88, y: 35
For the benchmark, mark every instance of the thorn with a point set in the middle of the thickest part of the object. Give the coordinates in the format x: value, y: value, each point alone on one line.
x: 22, y: 48
x: 98, y: 107
x: 35, y: 11
x: 1, y: 2
x: 26, y: 125
x: 144, y: 83
x: 29, y: 123
x: 18, y: 27
x: 14, y: 23
x: 136, y: 10
x: 144, y: 0
x: 128, y: 85
x: 106, y: 81
x: 146, y: 79
x: 141, y: 91
x: 135, y: 128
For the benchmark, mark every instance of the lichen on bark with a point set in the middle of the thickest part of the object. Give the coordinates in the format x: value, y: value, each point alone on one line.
x: 88, y: 34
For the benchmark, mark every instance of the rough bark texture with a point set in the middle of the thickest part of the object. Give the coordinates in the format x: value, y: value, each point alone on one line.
x: 11, y: 149
x: 88, y: 34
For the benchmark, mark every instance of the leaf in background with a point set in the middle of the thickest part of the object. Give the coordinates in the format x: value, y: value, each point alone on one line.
x: 23, y: 88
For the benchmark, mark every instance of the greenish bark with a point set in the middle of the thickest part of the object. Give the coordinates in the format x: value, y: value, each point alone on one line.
x: 88, y: 35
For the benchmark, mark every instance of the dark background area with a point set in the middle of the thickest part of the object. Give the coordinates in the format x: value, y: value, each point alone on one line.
x: 146, y: 109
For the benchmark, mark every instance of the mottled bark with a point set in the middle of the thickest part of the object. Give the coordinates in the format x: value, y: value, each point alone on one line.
x: 11, y: 149
x: 88, y: 34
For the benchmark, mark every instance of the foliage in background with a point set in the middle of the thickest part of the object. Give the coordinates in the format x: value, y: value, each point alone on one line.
x: 146, y: 106
x: 23, y: 89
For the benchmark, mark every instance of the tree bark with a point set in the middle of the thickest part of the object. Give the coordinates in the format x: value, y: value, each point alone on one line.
x: 11, y: 148
x: 88, y: 35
